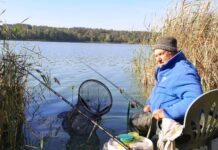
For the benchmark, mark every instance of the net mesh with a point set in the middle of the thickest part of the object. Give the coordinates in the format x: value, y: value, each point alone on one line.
x: 94, y: 100
x: 95, y: 97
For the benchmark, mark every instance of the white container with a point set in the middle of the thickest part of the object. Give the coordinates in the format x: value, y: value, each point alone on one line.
x: 141, y: 144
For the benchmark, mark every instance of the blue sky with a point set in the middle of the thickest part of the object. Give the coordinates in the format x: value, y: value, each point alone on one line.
x: 107, y: 14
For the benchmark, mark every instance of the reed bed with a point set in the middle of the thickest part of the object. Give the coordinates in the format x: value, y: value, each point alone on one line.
x: 195, y: 25
x: 16, y: 94
x: 12, y: 101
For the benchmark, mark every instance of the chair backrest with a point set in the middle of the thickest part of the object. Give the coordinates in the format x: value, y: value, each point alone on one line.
x: 201, y: 119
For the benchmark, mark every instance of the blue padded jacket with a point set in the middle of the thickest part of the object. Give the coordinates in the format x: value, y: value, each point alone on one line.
x: 177, y: 84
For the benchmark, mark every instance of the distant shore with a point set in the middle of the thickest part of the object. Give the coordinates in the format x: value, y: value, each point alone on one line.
x: 27, y: 32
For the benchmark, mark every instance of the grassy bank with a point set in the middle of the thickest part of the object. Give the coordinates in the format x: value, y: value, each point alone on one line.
x: 195, y: 25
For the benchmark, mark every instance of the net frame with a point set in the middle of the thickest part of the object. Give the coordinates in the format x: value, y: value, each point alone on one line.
x: 85, y: 103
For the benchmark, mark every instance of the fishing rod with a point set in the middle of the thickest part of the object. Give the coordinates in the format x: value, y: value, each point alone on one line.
x: 122, y: 92
x: 126, y: 95
x: 66, y: 101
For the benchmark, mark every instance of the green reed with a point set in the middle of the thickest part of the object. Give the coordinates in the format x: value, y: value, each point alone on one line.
x: 195, y: 25
x: 12, y: 101
x: 16, y: 94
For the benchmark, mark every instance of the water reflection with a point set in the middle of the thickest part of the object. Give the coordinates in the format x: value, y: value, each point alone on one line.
x: 81, y: 131
x: 83, y: 142
x: 111, y: 60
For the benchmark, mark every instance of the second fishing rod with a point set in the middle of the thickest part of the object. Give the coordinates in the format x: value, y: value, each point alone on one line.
x: 122, y: 92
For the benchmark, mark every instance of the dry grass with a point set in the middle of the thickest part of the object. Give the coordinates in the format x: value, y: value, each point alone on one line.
x: 16, y: 95
x: 195, y: 25
x: 12, y: 88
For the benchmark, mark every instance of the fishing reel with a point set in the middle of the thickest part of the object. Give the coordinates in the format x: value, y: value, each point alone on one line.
x: 135, y: 104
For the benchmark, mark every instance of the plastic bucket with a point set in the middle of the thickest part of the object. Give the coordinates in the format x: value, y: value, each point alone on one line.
x: 141, y: 143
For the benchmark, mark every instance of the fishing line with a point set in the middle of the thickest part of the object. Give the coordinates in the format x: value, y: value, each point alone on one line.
x: 122, y: 92
x: 66, y: 101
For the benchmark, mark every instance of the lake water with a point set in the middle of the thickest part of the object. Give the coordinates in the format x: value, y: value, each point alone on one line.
x: 64, y: 61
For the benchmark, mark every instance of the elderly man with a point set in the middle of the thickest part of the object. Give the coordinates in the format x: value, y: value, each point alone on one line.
x: 177, y: 84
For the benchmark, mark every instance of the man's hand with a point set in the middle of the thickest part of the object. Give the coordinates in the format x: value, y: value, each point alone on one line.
x: 146, y: 108
x: 158, y: 114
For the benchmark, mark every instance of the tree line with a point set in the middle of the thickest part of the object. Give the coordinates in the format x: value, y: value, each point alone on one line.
x: 76, y: 34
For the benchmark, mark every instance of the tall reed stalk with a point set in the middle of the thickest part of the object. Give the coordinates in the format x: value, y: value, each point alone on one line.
x: 195, y: 25
x: 16, y: 94
x: 12, y: 101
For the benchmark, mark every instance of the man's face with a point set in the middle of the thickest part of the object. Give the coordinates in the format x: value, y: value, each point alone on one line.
x: 162, y: 56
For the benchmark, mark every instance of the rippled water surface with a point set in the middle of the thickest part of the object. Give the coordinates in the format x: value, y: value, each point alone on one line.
x: 65, y: 61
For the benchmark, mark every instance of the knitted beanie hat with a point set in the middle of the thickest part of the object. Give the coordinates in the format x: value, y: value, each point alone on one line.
x: 166, y: 43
